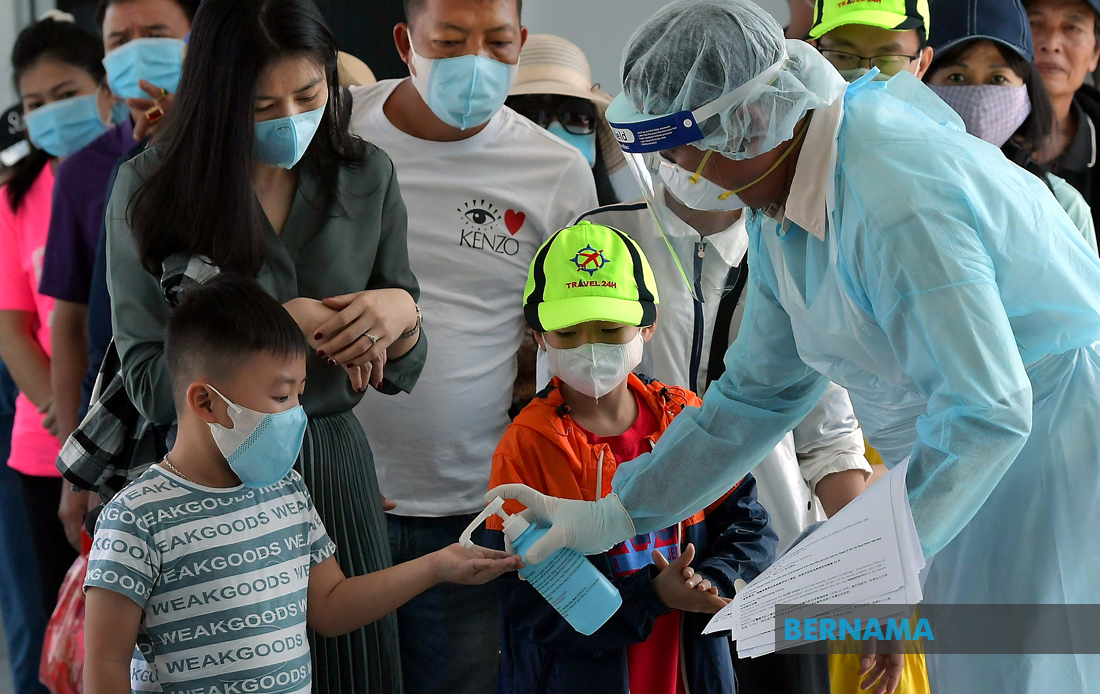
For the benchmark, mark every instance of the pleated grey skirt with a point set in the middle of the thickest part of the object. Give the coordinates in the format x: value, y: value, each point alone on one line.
x: 338, y: 468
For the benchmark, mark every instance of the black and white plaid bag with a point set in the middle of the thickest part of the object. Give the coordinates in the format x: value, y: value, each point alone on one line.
x: 115, y: 444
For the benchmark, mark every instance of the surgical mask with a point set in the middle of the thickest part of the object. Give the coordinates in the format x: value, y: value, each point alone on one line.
x: 698, y: 193
x: 585, y: 143
x: 990, y: 112
x: 597, y: 368
x: 463, y: 92
x: 855, y: 73
x: 66, y: 127
x: 283, y: 141
x: 262, y: 446
x: 158, y: 61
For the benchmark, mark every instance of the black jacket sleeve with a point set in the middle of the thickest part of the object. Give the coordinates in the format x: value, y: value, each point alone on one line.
x: 743, y: 545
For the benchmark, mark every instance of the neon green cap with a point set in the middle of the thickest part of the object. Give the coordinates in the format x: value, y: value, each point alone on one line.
x: 897, y: 15
x: 589, y: 272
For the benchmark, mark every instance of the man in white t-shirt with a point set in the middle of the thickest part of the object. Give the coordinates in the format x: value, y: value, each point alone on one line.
x: 817, y: 468
x: 484, y: 187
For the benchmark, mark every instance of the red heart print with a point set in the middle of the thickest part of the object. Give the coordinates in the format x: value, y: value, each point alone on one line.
x: 514, y: 221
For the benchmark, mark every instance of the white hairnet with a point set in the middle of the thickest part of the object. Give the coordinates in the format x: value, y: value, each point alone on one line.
x: 693, y: 51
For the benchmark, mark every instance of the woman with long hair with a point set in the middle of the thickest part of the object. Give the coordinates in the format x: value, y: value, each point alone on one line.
x: 59, y: 76
x: 255, y: 173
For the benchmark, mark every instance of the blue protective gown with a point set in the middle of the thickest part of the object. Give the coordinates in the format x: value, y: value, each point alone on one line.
x: 959, y: 306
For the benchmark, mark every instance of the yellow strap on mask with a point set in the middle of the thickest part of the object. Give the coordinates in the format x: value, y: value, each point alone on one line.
x: 790, y: 148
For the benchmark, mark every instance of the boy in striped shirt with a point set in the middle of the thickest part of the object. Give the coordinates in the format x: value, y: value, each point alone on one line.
x: 214, y: 561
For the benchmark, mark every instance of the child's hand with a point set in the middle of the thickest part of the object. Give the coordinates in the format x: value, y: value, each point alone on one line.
x: 473, y: 566
x: 682, y: 590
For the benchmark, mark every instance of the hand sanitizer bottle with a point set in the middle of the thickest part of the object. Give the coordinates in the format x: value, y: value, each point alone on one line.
x: 568, y: 581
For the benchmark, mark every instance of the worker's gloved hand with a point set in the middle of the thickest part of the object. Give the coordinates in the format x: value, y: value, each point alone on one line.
x: 590, y: 527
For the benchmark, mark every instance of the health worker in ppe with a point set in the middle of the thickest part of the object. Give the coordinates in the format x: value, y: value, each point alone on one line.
x: 904, y: 260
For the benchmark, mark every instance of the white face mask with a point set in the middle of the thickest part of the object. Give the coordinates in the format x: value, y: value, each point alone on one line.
x: 595, y: 369
x: 697, y: 192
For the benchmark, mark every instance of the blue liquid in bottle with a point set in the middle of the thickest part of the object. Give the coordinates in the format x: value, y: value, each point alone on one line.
x: 568, y: 581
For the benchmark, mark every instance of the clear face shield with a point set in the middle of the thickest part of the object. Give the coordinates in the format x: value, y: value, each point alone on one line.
x: 644, y: 137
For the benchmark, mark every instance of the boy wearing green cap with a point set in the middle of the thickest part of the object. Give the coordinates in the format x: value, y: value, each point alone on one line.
x: 856, y: 35
x: 591, y: 299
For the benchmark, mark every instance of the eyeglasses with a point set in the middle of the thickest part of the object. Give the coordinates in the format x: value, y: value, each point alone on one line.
x: 577, y: 116
x: 887, y: 64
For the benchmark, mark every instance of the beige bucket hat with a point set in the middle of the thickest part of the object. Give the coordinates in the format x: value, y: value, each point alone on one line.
x: 353, y: 72
x: 549, y: 64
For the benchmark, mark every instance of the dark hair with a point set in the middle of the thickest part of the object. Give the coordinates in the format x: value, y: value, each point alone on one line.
x: 218, y: 325
x: 1036, y: 128
x: 189, y: 8
x: 62, y: 41
x: 199, y: 199
x: 413, y: 7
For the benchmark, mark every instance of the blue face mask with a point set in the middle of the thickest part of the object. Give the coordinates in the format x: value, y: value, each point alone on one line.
x: 65, y: 127
x: 284, y: 141
x: 261, y: 447
x: 157, y: 61
x: 585, y: 143
x: 463, y: 92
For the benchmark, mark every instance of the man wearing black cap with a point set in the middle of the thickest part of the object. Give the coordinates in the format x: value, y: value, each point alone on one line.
x: 1067, y: 48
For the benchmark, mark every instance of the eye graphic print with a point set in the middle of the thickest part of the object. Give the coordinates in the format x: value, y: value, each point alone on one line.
x: 480, y: 214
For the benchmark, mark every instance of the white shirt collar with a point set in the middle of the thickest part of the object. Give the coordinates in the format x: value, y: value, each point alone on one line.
x: 814, y: 172
x: 731, y: 244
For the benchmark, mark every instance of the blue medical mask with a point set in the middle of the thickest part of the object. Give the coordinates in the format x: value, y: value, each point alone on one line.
x: 585, y: 143
x: 463, y: 92
x: 157, y: 61
x: 66, y: 127
x: 262, y: 446
x: 284, y: 141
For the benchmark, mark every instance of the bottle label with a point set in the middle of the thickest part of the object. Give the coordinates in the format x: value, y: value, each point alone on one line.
x: 554, y: 579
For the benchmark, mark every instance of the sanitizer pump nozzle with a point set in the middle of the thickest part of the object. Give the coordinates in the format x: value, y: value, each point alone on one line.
x: 568, y: 581
x: 514, y: 526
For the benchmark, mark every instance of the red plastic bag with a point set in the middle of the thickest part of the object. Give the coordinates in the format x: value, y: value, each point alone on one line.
x: 62, y: 666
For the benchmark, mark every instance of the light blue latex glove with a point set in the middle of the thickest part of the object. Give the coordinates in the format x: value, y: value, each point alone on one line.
x: 590, y: 527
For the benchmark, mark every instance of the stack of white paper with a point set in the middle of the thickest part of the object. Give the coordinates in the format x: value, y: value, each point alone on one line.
x: 867, y: 554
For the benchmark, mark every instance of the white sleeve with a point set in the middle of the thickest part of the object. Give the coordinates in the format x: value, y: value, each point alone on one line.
x: 575, y: 195
x: 829, y: 439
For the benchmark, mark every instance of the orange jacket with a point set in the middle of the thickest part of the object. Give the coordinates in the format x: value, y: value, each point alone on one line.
x: 545, y: 450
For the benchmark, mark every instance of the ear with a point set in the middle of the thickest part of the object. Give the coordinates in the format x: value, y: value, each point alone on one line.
x: 647, y: 332
x: 522, y: 36
x: 540, y: 338
x: 201, y: 403
x: 105, y: 100
x: 925, y: 61
x: 1095, y: 56
x: 403, y: 40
